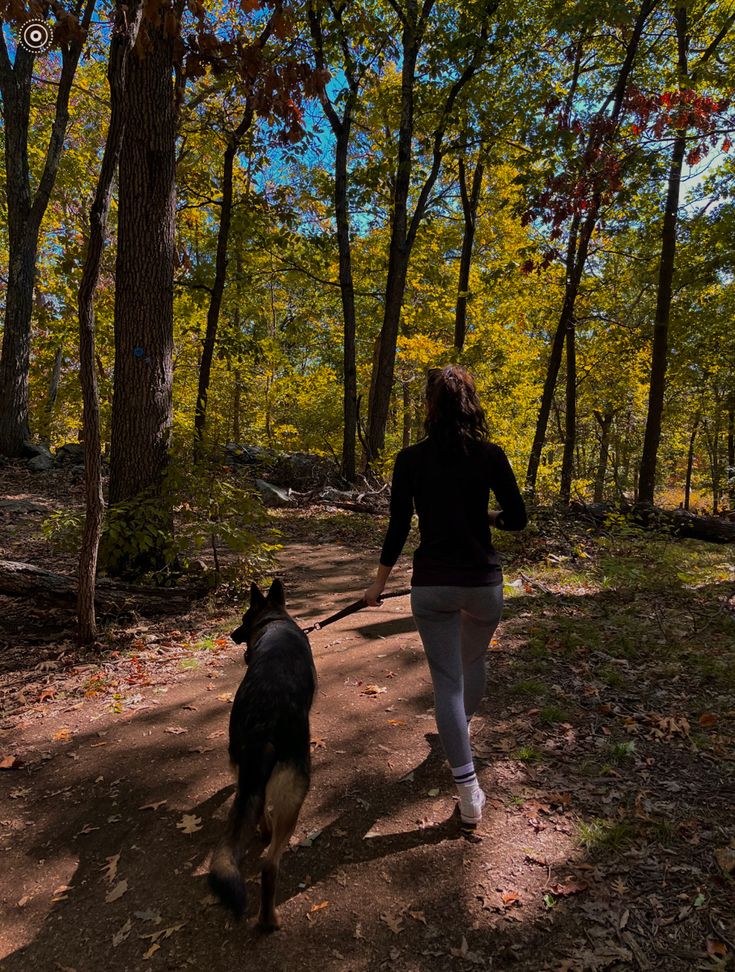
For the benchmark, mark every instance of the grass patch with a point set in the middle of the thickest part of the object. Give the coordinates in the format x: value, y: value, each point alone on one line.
x: 526, y: 754
x: 551, y: 714
x: 600, y: 834
x: 620, y: 752
x: 527, y: 688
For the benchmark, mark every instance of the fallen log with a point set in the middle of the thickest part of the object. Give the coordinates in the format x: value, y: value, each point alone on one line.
x: 111, y: 596
x: 680, y: 523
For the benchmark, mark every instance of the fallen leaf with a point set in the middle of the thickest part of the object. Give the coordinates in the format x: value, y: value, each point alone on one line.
x: 433, y: 793
x: 510, y: 898
x: 24, y: 901
x: 9, y: 763
x: 149, y: 915
x: 318, y: 907
x: 226, y: 697
x: 151, y: 951
x: 110, y: 867
x: 189, y: 824
x: 117, y: 892
x: 374, y: 690
x: 418, y: 916
x: 716, y: 948
x: 395, y: 924
x: 175, y: 730
x: 571, y: 887
x: 707, y: 719
x: 153, y: 806
x: 396, y: 722
x: 725, y: 857
x: 122, y: 933
x: 63, y: 735
x: 358, y: 931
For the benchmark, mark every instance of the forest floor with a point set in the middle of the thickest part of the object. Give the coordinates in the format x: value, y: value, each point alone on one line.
x: 605, y: 745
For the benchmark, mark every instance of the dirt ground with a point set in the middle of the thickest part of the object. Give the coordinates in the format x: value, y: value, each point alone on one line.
x: 605, y: 750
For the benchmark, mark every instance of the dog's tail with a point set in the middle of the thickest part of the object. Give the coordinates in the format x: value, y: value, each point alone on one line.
x: 225, y: 878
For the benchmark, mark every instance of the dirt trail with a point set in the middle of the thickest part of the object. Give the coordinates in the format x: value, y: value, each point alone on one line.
x: 380, y: 873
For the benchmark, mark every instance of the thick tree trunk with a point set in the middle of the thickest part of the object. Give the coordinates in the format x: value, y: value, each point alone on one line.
x: 470, y: 202
x: 44, y: 425
x: 659, y: 355
x: 604, y: 421
x: 690, y: 462
x: 141, y: 408
x: 220, y: 278
x: 406, y: 414
x: 26, y: 210
x: 712, y: 529
x: 125, y: 32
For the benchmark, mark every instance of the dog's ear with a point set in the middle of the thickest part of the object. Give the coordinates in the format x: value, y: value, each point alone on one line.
x: 257, y: 599
x: 277, y: 595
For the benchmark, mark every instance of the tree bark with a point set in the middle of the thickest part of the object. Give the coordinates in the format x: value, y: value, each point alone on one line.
x: 659, y: 355
x: 470, y: 202
x: 604, y: 421
x: 342, y: 129
x: 141, y: 407
x: 731, y: 450
x: 403, y: 230
x: 114, y: 597
x: 570, y: 416
x: 26, y: 210
x: 690, y: 462
x: 122, y: 42
x: 220, y: 278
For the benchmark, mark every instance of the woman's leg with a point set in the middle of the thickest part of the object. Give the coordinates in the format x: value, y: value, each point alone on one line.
x: 481, y: 612
x: 437, y: 614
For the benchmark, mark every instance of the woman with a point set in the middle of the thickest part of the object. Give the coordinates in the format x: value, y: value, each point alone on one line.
x: 457, y: 582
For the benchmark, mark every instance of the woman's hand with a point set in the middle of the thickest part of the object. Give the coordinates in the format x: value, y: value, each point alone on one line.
x: 372, y: 594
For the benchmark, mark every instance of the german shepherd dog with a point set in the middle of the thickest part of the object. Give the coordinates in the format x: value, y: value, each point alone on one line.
x: 270, y: 748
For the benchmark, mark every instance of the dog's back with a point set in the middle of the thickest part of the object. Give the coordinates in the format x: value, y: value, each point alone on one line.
x: 270, y: 747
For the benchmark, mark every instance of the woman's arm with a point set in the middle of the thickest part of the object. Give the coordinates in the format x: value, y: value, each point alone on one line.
x: 512, y: 513
x: 401, y: 512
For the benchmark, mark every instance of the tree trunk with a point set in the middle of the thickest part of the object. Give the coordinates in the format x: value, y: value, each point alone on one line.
x: 141, y: 407
x: 125, y: 32
x: 470, y: 203
x: 690, y: 462
x: 347, y: 291
x: 114, y: 597
x: 570, y: 417
x: 26, y: 210
x: 406, y: 414
x: 604, y: 421
x: 44, y: 431
x: 220, y: 278
x: 731, y: 451
x: 659, y: 356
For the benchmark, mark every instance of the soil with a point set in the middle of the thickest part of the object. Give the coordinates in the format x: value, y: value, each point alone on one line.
x: 116, y: 784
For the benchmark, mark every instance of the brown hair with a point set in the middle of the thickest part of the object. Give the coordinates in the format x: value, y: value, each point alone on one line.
x: 454, y: 416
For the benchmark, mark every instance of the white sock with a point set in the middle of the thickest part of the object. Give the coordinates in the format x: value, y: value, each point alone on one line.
x: 465, y: 779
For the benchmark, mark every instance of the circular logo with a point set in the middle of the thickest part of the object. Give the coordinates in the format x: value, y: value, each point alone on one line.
x: 36, y: 36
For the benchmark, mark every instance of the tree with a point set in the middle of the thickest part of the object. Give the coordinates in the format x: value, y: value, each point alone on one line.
x: 26, y: 205
x: 688, y: 110
x: 124, y: 35
x: 467, y: 50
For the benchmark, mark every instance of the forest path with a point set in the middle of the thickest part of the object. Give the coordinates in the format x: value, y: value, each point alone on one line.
x: 584, y: 859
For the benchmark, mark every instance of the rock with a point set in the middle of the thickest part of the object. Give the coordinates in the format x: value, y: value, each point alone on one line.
x: 41, y: 463
x: 72, y: 452
x: 33, y: 449
x: 273, y: 495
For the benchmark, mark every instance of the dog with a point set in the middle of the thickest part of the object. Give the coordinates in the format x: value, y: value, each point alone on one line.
x: 269, y: 748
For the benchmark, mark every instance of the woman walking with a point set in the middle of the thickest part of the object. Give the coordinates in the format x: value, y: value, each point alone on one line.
x: 457, y: 582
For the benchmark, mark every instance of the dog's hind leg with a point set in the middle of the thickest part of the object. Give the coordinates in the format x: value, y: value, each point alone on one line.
x: 225, y: 878
x: 285, y: 794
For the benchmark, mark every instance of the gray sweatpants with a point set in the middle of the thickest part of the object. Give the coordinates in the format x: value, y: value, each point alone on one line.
x: 456, y: 625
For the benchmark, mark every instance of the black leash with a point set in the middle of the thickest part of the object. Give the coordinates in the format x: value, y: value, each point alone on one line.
x: 351, y: 609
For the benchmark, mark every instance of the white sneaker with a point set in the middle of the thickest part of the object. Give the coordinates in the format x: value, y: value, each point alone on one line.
x: 470, y: 807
